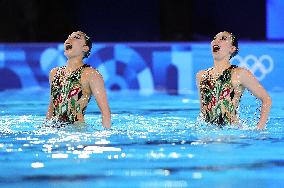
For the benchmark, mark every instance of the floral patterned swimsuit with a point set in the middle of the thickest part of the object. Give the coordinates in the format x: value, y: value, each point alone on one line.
x: 67, y: 95
x: 218, y: 98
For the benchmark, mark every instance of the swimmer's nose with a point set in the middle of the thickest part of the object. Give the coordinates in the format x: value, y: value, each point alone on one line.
x: 215, y: 42
x: 67, y: 42
x: 69, y: 39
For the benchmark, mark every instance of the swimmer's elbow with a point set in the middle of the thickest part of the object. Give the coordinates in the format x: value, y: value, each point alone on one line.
x: 267, y: 102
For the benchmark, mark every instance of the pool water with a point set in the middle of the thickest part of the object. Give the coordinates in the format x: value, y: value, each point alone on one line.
x: 155, y: 141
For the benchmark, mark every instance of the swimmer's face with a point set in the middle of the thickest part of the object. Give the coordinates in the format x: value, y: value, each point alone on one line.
x: 75, y: 45
x: 221, y: 46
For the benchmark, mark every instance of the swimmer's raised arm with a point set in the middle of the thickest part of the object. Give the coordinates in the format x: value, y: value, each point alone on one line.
x: 49, y: 113
x: 97, y: 87
x: 249, y: 81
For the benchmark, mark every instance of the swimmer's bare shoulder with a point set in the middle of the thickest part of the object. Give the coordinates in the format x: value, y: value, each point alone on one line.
x: 91, y: 74
x: 52, y: 74
x: 240, y: 75
x: 199, y: 76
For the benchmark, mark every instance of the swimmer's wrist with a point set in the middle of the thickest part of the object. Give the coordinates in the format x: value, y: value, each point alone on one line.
x: 108, y: 126
x: 260, y: 126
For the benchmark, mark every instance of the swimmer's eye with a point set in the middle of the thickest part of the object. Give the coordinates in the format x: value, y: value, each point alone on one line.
x: 75, y: 37
x: 222, y: 38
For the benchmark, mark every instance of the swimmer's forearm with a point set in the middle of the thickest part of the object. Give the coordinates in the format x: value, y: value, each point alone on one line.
x: 48, y: 116
x: 49, y: 113
x: 265, y: 109
x: 106, y: 120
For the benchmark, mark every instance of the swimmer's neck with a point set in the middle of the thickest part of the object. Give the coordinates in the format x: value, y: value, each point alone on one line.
x: 74, y: 63
x: 221, y: 65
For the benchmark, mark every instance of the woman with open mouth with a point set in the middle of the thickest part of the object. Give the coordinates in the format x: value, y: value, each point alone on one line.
x: 73, y: 85
x: 221, y: 86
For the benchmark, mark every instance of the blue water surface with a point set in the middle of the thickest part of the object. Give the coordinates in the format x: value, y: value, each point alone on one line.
x: 155, y: 141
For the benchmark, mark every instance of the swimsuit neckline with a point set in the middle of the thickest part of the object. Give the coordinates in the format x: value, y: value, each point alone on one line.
x: 219, y: 75
x: 74, y: 71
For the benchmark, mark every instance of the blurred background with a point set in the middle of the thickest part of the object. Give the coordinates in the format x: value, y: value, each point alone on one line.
x: 133, y: 20
x: 154, y: 45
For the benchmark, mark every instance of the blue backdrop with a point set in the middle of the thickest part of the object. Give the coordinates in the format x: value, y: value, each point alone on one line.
x: 274, y: 19
x: 147, y: 67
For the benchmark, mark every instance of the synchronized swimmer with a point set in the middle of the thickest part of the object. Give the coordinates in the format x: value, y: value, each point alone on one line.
x: 220, y: 87
x: 71, y: 86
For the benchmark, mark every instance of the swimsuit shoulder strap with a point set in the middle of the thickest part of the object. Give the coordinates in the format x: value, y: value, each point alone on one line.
x: 232, y: 67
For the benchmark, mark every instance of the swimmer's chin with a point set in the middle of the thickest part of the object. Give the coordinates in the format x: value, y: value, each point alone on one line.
x: 66, y: 54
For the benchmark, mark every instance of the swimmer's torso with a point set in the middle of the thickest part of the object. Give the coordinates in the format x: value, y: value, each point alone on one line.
x: 220, y: 98
x: 70, y: 95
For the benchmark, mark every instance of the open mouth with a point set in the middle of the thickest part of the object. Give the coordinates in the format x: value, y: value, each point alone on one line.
x: 216, y: 48
x: 68, y: 46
